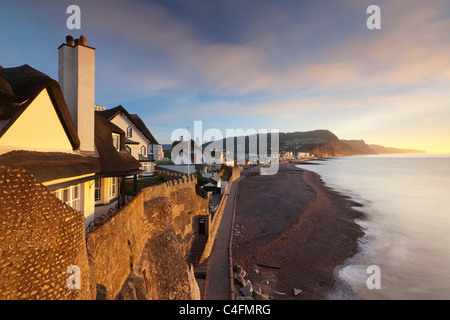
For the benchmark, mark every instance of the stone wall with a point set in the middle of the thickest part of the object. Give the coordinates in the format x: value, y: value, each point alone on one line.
x: 40, y: 238
x: 173, y: 175
x: 140, y: 253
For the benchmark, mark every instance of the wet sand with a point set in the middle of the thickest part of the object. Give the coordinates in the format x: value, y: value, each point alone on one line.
x: 292, y: 220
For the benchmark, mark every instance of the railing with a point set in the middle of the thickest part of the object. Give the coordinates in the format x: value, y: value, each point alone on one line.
x: 105, y: 216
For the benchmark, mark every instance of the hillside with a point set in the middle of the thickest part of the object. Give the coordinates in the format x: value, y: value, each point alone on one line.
x: 321, y: 143
x: 385, y: 150
x: 359, y: 146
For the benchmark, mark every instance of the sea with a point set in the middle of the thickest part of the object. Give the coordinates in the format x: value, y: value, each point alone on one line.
x: 405, y: 251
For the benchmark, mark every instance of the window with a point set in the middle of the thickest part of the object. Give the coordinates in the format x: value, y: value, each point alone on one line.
x: 128, y: 149
x: 153, y: 151
x: 116, y: 141
x: 147, y: 166
x: 112, y: 187
x: 70, y: 196
x: 143, y: 151
x: 129, y: 132
x: 98, y: 189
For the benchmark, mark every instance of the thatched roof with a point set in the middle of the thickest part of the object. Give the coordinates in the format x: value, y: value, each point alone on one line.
x: 48, y: 166
x: 19, y: 86
x: 129, y: 141
x: 143, y: 128
x: 112, y: 161
x: 5, y: 88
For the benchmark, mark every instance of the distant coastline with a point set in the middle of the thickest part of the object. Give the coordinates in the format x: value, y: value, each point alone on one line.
x: 313, y: 144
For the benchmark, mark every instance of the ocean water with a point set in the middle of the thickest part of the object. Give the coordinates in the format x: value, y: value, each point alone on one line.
x: 407, y: 228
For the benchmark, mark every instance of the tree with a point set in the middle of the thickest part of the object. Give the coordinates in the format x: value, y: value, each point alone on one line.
x: 199, y: 177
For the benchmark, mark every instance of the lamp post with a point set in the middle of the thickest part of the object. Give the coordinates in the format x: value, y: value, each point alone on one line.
x: 189, y: 151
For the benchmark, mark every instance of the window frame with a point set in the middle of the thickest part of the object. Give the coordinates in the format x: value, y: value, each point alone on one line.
x: 112, y: 188
x: 70, y: 195
x: 116, y: 140
x: 98, y: 190
x: 147, y: 167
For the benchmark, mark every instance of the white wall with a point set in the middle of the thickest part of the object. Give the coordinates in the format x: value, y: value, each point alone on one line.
x: 76, y: 76
x: 158, y: 152
x: 123, y: 122
x: 88, y: 191
x: 38, y: 128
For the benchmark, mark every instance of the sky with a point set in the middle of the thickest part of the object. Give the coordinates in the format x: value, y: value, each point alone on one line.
x: 290, y: 65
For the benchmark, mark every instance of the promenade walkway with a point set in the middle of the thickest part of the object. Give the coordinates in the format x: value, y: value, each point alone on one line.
x: 218, y: 285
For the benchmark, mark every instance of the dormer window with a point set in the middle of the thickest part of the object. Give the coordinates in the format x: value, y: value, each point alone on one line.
x: 129, y: 132
x: 116, y: 141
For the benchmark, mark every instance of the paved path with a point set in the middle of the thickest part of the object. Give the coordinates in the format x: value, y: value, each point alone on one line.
x: 218, y: 280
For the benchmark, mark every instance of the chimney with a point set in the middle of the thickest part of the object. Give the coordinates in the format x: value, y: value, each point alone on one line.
x: 76, y: 76
x: 69, y: 40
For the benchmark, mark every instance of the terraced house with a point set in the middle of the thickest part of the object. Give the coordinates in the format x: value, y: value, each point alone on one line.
x: 52, y: 130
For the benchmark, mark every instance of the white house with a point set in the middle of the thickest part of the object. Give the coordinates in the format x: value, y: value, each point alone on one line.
x: 140, y: 143
x: 303, y: 155
x: 158, y: 152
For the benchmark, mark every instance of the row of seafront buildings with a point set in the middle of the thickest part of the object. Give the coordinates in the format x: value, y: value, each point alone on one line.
x: 294, y: 155
x: 80, y: 151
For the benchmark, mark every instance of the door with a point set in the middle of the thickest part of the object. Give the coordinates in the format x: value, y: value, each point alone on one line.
x: 202, y: 226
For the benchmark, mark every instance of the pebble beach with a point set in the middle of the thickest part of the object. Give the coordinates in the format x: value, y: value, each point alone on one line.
x: 291, y: 232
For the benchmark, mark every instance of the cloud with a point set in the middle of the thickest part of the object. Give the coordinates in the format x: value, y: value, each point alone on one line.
x: 276, y: 51
x: 294, y: 61
x: 278, y: 47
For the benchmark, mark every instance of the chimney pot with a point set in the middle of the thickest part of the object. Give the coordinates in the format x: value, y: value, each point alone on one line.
x: 83, y: 40
x: 77, y: 42
x: 69, y: 40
